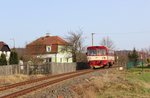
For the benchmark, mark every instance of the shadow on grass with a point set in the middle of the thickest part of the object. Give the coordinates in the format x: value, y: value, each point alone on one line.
x: 144, y: 67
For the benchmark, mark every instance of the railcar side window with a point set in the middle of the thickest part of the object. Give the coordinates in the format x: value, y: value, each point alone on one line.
x: 111, y: 52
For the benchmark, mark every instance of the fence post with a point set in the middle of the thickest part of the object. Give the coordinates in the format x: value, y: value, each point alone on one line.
x: 27, y: 69
x: 19, y: 68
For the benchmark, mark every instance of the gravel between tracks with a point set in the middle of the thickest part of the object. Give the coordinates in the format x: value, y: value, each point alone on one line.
x: 64, y: 89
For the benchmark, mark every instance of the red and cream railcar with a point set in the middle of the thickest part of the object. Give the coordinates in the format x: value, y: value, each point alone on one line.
x: 100, y: 56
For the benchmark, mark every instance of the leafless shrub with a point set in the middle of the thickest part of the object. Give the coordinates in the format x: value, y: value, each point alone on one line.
x: 75, y: 45
x: 107, y: 42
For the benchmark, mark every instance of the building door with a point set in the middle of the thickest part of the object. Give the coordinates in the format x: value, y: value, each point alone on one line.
x: 48, y: 60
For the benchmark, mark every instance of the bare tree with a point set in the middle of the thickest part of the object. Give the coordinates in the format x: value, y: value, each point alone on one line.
x: 146, y: 50
x: 107, y: 42
x: 122, y: 59
x: 146, y: 55
x: 75, y: 46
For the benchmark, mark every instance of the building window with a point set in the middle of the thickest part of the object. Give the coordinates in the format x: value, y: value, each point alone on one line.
x: 61, y: 60
x: 48, y: 60
x: 67, y: 59
x: 48, y: 48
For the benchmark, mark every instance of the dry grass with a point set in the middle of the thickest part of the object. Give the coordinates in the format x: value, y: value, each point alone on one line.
x: 7, y: 80
x: 114, y: 85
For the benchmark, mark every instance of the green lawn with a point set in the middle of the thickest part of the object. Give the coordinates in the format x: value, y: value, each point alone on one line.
x: 139, y: 74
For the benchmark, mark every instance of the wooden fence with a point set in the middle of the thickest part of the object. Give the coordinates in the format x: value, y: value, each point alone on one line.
x: 51, y: 68
x: 9, y: 70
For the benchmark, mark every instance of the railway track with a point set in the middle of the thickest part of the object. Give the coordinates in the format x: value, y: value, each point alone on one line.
x: 19, y: 89
x: 31, y: 81
x: 22, y: 88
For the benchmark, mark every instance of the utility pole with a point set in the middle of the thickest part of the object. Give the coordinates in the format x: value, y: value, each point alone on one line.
x: 13, y: 42
x: 92, y: 39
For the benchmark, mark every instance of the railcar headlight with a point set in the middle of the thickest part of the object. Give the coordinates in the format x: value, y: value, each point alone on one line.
x: 104, y: 58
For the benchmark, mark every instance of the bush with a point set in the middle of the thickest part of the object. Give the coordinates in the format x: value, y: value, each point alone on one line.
x: 133, y: 57
x: 13, y: 58
x: 3, y: 60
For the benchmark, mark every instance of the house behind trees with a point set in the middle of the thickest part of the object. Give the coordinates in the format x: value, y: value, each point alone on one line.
x: 4, y: 49
x: 49, y: 48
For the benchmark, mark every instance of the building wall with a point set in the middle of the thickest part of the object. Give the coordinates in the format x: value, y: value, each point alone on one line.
x: 6, y: 53
x: 48, y: 56
x: 60, y: 57
x: 63, y: 58
x: 65, y: 54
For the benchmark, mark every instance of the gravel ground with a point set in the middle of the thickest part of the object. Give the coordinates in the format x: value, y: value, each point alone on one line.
x: 6, y: 92
x: 64, y: 89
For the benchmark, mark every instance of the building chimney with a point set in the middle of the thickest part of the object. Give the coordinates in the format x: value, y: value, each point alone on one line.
x: 47, y: 34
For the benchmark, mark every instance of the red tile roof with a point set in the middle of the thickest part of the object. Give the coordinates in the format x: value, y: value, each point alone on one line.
x: 39, y: 46
x: 49, y: 40
x: 2, y: 44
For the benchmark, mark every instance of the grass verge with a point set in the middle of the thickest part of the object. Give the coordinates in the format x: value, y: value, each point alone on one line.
x: 118, y: 84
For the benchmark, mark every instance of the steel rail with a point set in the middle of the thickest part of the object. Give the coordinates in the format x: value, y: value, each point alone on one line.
x: 39, y: 86
x: 28, y: 90
x: 2, y: 88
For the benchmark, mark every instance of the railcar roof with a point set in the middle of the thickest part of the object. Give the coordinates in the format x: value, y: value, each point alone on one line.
x: 97, y: 47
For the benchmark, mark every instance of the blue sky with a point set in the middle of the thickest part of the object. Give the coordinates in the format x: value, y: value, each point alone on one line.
x: 126, y: 22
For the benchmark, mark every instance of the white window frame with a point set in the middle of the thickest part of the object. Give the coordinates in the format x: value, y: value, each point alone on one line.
x: 48, y: 48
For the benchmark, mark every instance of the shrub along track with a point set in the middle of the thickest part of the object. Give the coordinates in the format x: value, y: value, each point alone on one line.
x: 49, y: 80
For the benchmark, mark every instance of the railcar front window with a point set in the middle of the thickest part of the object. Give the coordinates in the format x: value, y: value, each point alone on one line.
x: 101, y: 52
x: 96, y: 52
x: 92, y: 52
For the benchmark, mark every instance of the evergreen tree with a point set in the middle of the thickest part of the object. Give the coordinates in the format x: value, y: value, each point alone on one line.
x: 133, y: 56
x: 3, y: 60
x: 13, y: 58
